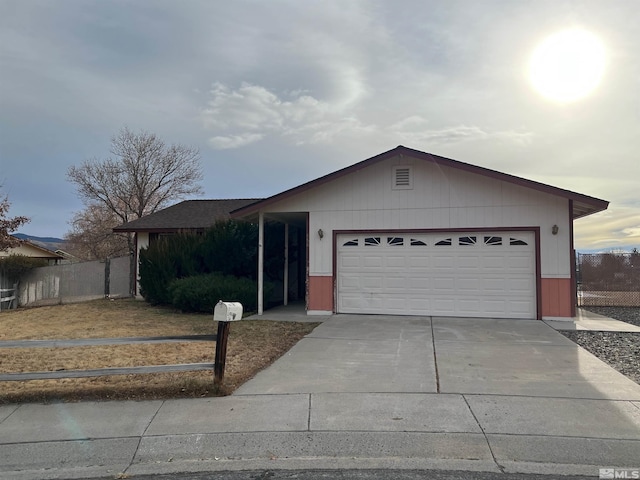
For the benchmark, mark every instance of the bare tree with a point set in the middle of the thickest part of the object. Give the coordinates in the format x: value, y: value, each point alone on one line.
x: 91, y: 236
x: 143, y: 176
x: 8, y: 225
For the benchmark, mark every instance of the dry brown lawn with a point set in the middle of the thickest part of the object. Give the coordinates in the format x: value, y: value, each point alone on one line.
x: 252, y: 346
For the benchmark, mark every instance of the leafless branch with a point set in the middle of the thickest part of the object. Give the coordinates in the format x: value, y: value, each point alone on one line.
x: 8, y: 225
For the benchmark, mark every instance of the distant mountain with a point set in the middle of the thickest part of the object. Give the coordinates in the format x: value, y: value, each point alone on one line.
x: 50, y: 243
x: 23, y: 236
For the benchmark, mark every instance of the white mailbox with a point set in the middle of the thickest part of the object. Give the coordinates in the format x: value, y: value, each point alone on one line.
x: 227, y: 311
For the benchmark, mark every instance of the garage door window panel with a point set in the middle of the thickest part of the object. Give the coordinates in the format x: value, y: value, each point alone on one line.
x: 466, y: 241
x: 495, y: 241
x: 517, y: 242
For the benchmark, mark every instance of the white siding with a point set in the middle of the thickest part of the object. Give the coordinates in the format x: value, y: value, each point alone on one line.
x: 441, y: 198
x: 29, y: 251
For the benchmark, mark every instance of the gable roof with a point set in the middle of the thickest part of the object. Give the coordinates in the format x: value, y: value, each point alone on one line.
x: 32, y: 250
x: 186, y: 215
x: 582, y: 204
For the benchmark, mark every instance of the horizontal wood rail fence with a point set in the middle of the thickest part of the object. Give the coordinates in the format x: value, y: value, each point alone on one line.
x: 92, y: 342
x: 10, y: 299
x: 218, y: 366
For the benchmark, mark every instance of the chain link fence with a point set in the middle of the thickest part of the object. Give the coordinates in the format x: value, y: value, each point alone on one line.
x: 608, y: 279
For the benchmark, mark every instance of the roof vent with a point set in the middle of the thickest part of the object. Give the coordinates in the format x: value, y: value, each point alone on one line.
x: 402, y: 178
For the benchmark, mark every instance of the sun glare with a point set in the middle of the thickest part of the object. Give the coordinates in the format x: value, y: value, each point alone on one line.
x: 568, y: 65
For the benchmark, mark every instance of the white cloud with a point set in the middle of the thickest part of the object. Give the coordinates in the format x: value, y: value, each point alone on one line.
x: 415, y: 130
x: 234, y: 141
x: 238, y: 117
x: 632, y: 231
x: 250, y: 113
x: 618, y: 225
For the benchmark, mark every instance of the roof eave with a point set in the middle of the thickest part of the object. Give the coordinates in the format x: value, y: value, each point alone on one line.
x: 157, y: 229
x: 580, y: 209
x: 596, y: 204
x: 257, y: 206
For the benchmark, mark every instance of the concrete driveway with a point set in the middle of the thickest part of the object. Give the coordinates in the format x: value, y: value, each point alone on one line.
x: 375, y: 354
x: 526, y: 397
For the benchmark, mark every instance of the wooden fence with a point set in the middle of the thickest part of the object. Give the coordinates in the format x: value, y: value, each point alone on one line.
x: 75, y: 282
x: 218, y: 366
x: 11, y: 299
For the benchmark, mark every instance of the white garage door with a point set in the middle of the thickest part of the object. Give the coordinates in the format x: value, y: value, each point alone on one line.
x: 450, y: 274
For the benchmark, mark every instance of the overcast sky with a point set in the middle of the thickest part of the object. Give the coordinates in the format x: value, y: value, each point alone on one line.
x: 276, y: 93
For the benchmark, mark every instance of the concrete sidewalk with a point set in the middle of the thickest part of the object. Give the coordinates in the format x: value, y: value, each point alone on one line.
x: 360, y: 392
x: 586, y: 320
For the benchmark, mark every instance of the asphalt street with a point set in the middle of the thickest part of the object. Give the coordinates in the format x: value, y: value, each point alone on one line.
x: 375, y: 474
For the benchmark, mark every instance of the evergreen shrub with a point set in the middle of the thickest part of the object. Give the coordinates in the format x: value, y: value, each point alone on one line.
x: 200, y: 293
x: 229, y: 249
x: 14, y: 266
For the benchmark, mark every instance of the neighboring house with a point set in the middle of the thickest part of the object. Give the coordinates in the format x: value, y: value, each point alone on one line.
x: 68, y: 257
x: 193, y: 216
x: 29, y: 249
x: 410, y: 233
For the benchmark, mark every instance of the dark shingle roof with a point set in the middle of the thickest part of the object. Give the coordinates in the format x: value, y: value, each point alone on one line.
x: 189, y: 214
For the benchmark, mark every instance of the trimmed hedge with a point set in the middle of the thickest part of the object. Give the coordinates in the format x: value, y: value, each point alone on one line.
x: 200, y: 293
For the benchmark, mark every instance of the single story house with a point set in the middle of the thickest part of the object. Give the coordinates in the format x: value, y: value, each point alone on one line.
x: 30, y: 249
x: 410, y: 233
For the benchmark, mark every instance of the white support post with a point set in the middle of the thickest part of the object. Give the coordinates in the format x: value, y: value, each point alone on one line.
x: 260, y: 262
x: 286, y: 265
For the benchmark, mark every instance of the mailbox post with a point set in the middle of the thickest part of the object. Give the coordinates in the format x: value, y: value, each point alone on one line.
x: 224, y: 313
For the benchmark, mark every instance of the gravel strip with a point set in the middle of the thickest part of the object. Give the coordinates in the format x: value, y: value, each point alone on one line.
x: 621, y: 350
